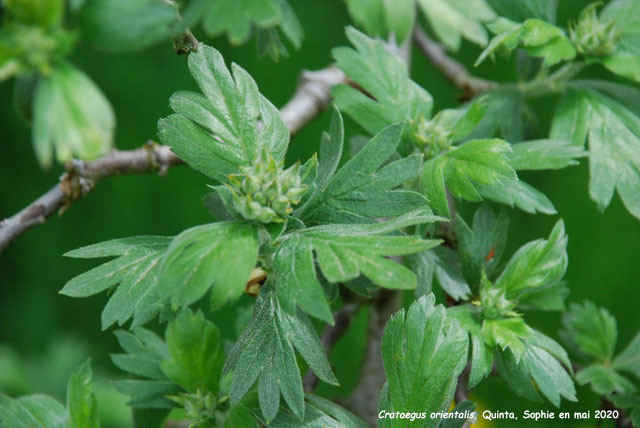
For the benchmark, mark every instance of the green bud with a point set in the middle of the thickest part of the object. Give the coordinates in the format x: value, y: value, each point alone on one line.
x: 265, y: 192
x: 493, y: 301
x: 591, y: 36
x: 431, y: 136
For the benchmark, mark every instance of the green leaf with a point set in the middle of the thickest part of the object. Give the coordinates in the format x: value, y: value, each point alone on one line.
x: 437, y: 263
x: 72, y: 116
x: 368, y: 14
x: 217, y: 131
x: 399, y: 17
x: 481, y: 354
x: 520, y: 10
x: 127, y: 25
x: 535, y: 264
x: 423, y: 353
x: 479, y: 161
x: 216, y: 256
x: 500, y: 103
x: 237, y: 17
x: 319, y: 412
x: 507, y: 333
x: 603, y: 380
x: 545, y: 154
x: 481, y: 246
x: 145, y: 352
x: 465, y: 407
x: 629, y: 359
x: 393, y: 96
x: 362, y: 189
x: 537, y: 371
x: 548, y: 297
x: 614, y: 144
x: 81, y: 403
x: 452, y: 20
x: 344, y: 252
x: 517, y: 193
x: 536, y: 37
x: 630, y: 402
x: 32, y: 411
x: 196, y: 352
x: 625, y: 60
x: 590, y: 332
x: 135, y: 272
x: 265, y: 353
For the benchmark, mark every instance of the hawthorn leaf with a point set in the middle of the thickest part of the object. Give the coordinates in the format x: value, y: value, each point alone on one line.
x: 535, y: 264
x: 613, y: 132
x: 217, y: 256
x: 590, y: 332
x: 535, y: 36
x: 399, y: 18
x: 517, y: 193
x: 536, y: 372
x: 135, y: 272
x: 481, y: 354
x: 344, y: 252
x: 266, y: 349
x: 237, y: 17
x: 549, y: 297
x: 369, y: 15
x: 481, y: 245
x: 604, y: 380
x: 545, y: 154
x: 319, y: 412
x: 127, y: 26
x: 32, y: 411
x: 630, y: 402
x: 478, y: 161
x: 196, y: 352
x: 423, y: 353
x: 394, y: 97
x: 520, y: 10
x: 507, y: 333
x: 464, y: 407
x: 145, y: 352
x: 217, y: 131
x: 629, y: 359
x: 625, y: 60
x: 362, y: 189
x: 81, y: 403
x: 452, y: 20
x: 437, y: 264
x: 71, y: 116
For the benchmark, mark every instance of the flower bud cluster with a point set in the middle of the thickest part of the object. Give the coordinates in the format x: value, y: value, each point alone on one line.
x: 266, y: 192
x: 495, y: 304
x: 591, y: 36
x: 431, y: 137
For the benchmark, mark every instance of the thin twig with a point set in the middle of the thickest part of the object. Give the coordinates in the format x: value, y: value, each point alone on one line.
x: 330, y: 336
x: 311, y: 97
x: 450, y: 68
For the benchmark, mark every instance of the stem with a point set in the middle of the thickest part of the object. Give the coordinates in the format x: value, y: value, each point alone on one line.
x: 450, y: 68
x: 554, y: 83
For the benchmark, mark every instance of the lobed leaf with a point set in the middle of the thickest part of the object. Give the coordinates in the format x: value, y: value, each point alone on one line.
x: 423, y: 353
x: 474, y: 162
x: 135, y: 272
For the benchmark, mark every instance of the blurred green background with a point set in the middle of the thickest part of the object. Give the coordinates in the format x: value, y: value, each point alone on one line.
x: 44, y: 335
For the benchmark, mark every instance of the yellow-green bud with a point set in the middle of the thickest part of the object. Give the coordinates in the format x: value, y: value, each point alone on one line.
x: 431, y: 136
x: 265, y: 192
x: 591, y: 36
